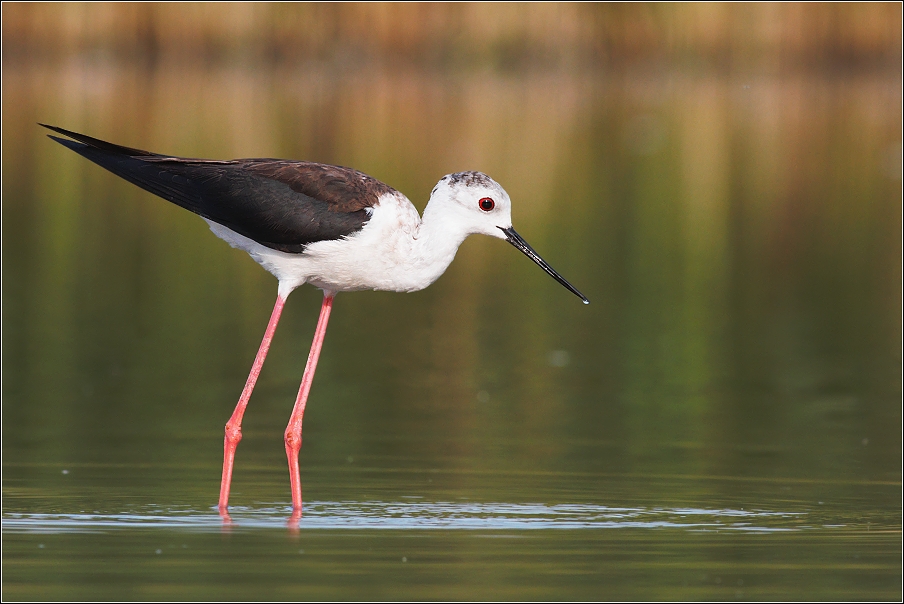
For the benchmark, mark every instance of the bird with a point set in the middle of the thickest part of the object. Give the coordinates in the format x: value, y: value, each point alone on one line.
x: 332, y: 227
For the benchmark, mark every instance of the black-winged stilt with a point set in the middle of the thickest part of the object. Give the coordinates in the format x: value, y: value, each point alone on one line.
x: 333, y: 227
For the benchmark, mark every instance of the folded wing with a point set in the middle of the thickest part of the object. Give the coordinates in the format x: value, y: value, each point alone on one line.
x: 284, y: 205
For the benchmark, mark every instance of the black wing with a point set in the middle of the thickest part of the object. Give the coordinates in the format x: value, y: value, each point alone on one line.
x: 284, y: 205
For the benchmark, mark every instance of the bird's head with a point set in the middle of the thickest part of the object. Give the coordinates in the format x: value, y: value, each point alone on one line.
x: 475, y: 201
x: 477, y: 204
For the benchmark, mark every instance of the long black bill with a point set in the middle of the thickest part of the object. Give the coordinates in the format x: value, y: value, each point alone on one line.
x: 515, y: 239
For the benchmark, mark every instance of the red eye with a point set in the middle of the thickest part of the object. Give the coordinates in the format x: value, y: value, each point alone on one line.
x: 486, y: 204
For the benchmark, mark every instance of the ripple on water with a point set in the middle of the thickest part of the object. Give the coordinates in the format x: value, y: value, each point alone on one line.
x: 417, y: 515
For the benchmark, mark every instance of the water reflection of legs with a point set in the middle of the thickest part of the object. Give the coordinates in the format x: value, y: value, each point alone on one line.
x: 234, y: 425
x: 293, y: 521
x: 293, y: 429
x: 226, y: 527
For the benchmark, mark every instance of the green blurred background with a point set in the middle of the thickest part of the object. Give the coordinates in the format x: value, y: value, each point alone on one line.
x: 723, y: 181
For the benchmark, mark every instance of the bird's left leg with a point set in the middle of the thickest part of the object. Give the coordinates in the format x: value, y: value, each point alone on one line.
x: 234, y: 425
x: 293, y: 430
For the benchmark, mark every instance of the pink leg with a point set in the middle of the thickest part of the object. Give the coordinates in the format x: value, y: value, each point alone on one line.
x: 234, y: 425
x: 293, y: 430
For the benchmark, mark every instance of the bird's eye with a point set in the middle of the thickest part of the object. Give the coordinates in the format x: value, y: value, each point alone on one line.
x: 486, y: 204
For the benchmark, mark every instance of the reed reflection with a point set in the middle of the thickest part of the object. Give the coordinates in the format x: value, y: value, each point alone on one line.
x: 743, y: 295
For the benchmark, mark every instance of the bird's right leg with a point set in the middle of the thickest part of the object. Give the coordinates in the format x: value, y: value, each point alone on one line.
x: 234, y: 425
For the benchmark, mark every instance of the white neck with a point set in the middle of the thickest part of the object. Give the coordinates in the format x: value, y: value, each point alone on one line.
x: 435, y: 242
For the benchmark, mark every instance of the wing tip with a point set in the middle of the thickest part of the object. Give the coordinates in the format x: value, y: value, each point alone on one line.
x: 57, y: 129
x: 71, y: 144
x: 66, y: 142
x: 96, y: 143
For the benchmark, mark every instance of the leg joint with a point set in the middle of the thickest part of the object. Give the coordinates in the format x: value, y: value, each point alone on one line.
x: 293, y: 440
x: 233, y: 433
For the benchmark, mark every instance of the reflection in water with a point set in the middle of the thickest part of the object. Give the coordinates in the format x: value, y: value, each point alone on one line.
x: 419, y: 515
x: 744, y: 297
